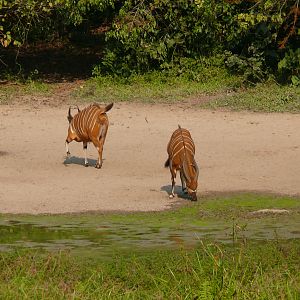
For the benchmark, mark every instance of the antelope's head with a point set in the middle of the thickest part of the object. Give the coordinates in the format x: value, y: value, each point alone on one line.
x: 191, y: 173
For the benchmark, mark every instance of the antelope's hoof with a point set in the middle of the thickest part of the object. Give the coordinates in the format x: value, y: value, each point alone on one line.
x: 98, y: 166
x: 86, y: 165
x: 171, y: 196
x: 185, y: 191
x: 68, y: 154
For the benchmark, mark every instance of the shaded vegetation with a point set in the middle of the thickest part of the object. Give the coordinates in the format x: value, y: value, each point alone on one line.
x: 255, y: 39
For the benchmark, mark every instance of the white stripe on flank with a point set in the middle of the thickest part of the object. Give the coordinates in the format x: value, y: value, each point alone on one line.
x: 173, y: 155
x: 79, y: 124
x: 94, y: 124
x: 85, y: 119
x: 88, y: 118
x: 92, y: 118
x: 173, y: 141
x: 82, y: 125
x: 76, y: 125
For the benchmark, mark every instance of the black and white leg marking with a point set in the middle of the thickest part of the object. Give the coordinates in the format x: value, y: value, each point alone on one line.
x: 86, y: 163
x: 67, y: 149
x: 172, y: 195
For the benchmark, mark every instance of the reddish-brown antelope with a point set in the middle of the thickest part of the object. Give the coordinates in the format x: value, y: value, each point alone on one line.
x: 181, y: 150
x: 89, y: 125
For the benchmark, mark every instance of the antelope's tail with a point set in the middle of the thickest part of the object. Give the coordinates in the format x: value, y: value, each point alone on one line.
x: 167, y: 163
x: 70, y: 117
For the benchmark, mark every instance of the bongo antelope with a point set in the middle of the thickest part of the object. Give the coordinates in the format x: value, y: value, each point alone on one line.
x: 89, y: 125
x: 181, y: 150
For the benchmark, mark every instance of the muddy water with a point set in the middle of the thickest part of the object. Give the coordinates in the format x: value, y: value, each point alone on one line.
x: 89, y: 234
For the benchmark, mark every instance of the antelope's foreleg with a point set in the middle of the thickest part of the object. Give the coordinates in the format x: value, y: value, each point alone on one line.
x: 173, y: 173
x: 86, y: 163
x: 183, y: 183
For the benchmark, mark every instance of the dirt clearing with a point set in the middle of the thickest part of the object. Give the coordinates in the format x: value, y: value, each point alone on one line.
x: 235, y: 151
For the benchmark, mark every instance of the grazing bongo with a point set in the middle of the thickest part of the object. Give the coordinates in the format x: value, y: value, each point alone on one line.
x: 89, y: 125
x: 181, y: 150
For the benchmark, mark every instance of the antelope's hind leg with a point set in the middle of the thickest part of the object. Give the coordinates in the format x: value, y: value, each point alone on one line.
x: 99, y: 146
x: 86, y: 163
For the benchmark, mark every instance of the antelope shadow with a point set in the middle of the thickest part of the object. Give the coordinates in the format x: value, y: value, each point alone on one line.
x: 3, y: 153
x: 74, y: 160
x: 178, y: 191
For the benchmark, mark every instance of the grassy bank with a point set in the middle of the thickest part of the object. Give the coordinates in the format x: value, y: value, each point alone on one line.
x: 268, y: 97
x: 213, y: 88
x: 158, y: 255
x: 251, y: 271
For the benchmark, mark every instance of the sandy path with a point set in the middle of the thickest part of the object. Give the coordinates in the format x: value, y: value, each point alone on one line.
x: 235, y: 151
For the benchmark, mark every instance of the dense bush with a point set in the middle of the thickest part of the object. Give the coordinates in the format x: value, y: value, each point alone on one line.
x: 256, y: 38
x: 159, y: 34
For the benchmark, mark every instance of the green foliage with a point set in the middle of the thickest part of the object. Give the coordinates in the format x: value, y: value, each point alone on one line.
x: 263, y: 36
x: 161, y: 35
x: 23, y: 21
x: 149, y: 35
x: 289, y: 67
x: 260, y: 38
x: 251, y: 67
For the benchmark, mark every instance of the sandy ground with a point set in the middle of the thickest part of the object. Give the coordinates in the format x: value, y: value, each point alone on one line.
x: 235, y: 151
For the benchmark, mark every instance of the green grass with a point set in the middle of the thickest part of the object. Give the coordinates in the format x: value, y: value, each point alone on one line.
x: 249, y: 202
x: 212, y: 88
x: 268, y: 97
x: 16, y: 89
x: 252, y: 271
x: 229, y: 206
x: 157, y: 87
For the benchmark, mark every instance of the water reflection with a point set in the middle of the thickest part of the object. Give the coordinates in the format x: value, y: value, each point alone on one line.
x: 107, y: 236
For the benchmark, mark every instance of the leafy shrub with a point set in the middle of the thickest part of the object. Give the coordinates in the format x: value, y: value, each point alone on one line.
x: 153, y: 34
x: 260, y: 37
x: 289, y: 67
x: 251, y: 67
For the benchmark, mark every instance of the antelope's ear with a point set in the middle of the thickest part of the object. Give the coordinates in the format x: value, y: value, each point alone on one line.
x: 108, y: 107
x: 70, y: 118
x: 195, y: 166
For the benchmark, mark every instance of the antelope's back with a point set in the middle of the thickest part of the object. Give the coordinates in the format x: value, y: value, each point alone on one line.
x: 181, y: 138
x: 88, y: 120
